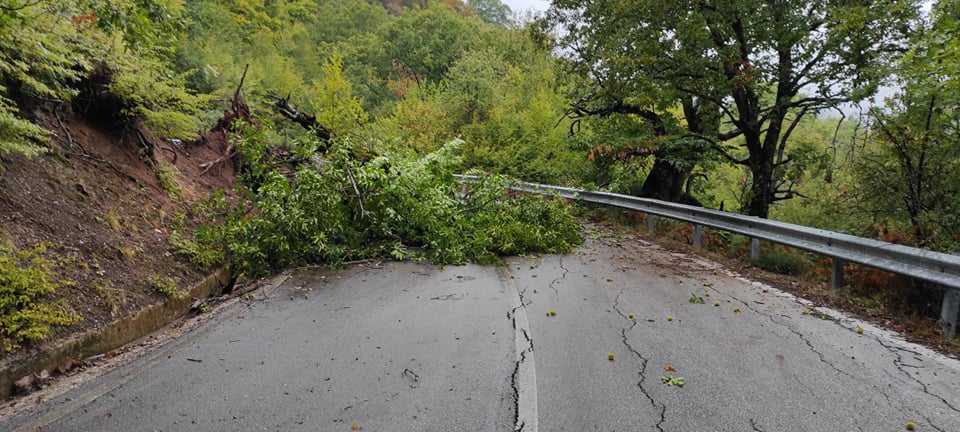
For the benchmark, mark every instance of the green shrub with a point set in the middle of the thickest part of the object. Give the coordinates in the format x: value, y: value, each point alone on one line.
x: 165, y: 286
x: 202, y: 245
x: 25, y: 282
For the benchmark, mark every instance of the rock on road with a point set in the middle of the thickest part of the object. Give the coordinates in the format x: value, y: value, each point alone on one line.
x: 413, y: 347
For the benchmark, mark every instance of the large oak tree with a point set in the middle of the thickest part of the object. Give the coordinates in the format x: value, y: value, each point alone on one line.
x: 761, y: 64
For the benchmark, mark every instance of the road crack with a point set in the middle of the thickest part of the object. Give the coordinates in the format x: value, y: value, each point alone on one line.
x: 525, y: 352
x: 553, y: 283
x: 515, y: 379
x: 897, y: 351
x: 800, y: 335
x: 900, y: 365
x: 642, y: 372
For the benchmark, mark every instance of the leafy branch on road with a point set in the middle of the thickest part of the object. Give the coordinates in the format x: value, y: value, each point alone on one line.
x: 301, y: 209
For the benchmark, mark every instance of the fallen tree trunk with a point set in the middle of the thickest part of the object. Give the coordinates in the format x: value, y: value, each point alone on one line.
x: 308, y: 121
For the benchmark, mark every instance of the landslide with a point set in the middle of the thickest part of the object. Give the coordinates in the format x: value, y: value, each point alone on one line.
x: 101, y: 204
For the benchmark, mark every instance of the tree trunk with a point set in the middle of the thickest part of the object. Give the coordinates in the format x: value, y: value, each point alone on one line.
x: 664, y: 182
x: 761, y: 191
x: 762, y: 166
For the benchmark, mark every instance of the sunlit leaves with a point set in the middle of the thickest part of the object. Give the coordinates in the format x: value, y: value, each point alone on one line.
x: 333, y: 100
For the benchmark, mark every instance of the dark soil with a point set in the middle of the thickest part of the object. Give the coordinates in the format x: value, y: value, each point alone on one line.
x: 97, y: 204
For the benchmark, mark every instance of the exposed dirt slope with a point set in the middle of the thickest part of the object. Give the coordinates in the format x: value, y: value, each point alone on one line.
x: 98, y: 204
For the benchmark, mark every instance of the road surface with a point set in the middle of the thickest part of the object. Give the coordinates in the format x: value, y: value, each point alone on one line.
x: 414, y: 347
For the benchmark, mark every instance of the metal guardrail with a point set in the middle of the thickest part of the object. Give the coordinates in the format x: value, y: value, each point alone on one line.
x: 940, y: 268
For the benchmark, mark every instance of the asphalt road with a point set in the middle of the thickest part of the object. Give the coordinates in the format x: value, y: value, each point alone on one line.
x: 414, y: 347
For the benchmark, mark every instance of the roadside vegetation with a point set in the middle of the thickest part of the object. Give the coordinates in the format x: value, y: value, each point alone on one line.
x: 26, y: 281
x: 343, y: 123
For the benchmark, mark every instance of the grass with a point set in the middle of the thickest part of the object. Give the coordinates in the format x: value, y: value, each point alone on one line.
x: 165, y: 286
x: 168, y: 180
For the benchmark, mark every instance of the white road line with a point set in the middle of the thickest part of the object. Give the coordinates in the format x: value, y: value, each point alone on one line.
x: 526, y: 379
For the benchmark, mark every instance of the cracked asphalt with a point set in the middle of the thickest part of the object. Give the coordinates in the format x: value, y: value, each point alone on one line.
x: 413, y: 347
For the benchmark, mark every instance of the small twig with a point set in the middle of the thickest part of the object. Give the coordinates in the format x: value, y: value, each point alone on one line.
x: 236, y: 94
x: 172, y: 151
x: 145, y: 145
x: 356, y: 189
x: 111, y: 165
x: 56, y: 112
x: 479, y: 206
x: 207, y: 165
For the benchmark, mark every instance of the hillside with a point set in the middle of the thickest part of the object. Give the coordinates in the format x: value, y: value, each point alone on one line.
x: 101, y: 211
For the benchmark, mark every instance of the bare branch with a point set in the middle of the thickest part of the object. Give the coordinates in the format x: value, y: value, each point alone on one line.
x: 786, y: 134
x: 308, y: 121
x: 578, y: 111
x: 719, y: 149
x: 727, y: 136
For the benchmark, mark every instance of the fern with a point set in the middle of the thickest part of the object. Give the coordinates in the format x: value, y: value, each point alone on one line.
x: 25, y: 282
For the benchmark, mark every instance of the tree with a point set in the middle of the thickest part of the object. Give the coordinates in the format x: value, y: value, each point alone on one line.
x: 762, y: 65
x: 423, y: 44
x: 26, y: 72
x: 89, y: 52
x: 911, y: 171
x: 492, y: 11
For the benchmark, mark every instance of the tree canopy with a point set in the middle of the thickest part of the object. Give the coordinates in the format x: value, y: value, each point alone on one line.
x: 492, y: 11
x: 762, y: 65
x: 700, y: 101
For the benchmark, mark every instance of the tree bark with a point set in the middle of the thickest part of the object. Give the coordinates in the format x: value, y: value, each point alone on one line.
x: 666, y: 183
x: 309, y: 122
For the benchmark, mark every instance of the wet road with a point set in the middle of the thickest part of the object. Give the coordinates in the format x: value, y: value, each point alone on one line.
x: 413, y: 347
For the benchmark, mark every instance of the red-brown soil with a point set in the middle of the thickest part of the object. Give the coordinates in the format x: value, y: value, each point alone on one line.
x: 97, y: 204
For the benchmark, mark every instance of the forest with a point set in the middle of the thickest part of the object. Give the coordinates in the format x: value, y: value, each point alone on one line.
x: 347, y: 118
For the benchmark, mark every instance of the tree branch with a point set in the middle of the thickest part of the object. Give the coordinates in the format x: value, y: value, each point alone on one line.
x: 727, y: 136
x: 719, y: 102
x: 719, y: 149
x: 787, y: 194
x: 786, y: 134
x: 308, y: 122
x: 578, y: 111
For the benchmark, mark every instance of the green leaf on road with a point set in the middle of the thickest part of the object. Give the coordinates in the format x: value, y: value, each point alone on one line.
x: 673, y: 381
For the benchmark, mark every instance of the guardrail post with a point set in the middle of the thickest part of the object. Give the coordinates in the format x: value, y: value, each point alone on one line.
x: 697, y: 236
x: 836, y: 275
x: 935, y: 267
x: 950, y: 312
